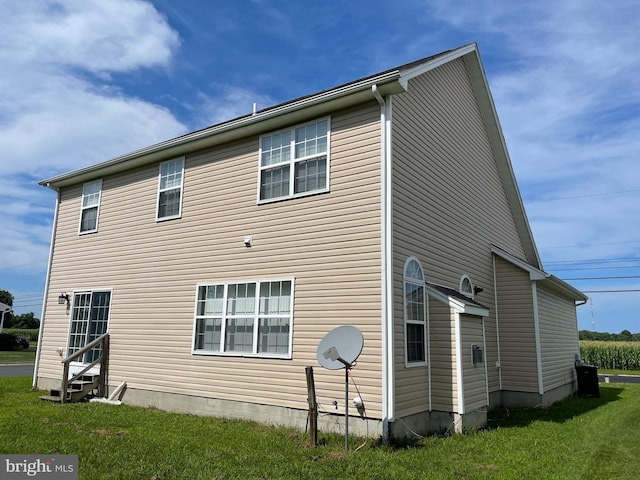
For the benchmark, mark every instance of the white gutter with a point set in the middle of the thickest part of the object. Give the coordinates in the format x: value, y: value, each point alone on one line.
x: 386, y: 231
x: 322, y: 103
x: 46, y: 290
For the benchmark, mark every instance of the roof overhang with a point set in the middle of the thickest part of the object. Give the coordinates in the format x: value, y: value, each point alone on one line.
x: 456, y: 301
x: 262, y: 121
x: 272, y: 118
x: 535, y: 274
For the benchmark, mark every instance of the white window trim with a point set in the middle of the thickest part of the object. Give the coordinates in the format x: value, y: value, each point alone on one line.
x: 179, y: 214
x: 83, y: 208
x: 254, y: 353
x: 70, y: 317
x: 406, y: 321
x: 292, y: 162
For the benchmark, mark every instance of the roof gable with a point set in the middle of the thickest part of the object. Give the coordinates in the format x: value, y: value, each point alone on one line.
x: 388, y: 82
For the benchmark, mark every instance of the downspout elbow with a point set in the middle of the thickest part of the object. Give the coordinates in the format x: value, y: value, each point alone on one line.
x: 376, y: 93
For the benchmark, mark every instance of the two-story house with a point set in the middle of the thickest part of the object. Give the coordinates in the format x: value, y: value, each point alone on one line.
x: 217, y: 261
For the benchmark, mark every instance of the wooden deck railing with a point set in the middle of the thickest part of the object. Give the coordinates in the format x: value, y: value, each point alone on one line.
x: 103, y: 360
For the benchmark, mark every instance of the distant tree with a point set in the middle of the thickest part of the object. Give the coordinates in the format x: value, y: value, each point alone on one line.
x: 7, y: 299
x: 25, y: 321
x: 625, y: 335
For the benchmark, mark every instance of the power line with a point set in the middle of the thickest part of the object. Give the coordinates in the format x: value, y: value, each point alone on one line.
x: 588, y: 195
x: 602, y: 278
x: 594, y: 260
x: 611, y: 291
x: 592, y: 268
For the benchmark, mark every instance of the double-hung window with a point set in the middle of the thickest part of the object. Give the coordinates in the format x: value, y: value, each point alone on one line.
x: 90, y: 205
x: 415, y: 313
x: 170, y: 189
x: 294, y: 162
x: 252, y: 318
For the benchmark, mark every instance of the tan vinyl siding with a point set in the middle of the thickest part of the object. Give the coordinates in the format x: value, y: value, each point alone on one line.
x: 444, y: 383
x: 558, y: 338
x: 328, y: 243
x: 473, y: 376
x: 517, y: 330
x: 448, y: 197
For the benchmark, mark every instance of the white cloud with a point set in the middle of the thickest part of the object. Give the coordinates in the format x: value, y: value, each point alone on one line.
x: 229, y: 102
x: 60, y: 109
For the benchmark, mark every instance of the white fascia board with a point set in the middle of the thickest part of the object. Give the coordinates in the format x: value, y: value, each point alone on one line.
x: 269, y: 119
x: 417, y: 70
x: 534, y: 273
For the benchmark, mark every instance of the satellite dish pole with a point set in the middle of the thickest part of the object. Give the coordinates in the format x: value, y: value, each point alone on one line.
x: 339, y: 349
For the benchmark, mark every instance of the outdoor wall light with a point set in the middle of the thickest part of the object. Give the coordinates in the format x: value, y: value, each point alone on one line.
x: 477, y: 290
x: 63, y: 298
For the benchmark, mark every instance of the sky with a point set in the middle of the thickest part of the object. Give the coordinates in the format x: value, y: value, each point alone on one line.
x: 83, y: 81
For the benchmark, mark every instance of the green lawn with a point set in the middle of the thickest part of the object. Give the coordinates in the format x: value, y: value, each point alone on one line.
x: 18, y: 356
x: 581, y: 438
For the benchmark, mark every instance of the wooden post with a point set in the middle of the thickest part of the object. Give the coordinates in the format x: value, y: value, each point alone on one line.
x: 313, y: 405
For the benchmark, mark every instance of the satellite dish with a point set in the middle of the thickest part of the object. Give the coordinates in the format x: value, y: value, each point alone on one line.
x: 340, y: 347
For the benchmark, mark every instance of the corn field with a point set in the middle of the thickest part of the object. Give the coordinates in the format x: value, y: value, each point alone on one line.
x: 611, y: 355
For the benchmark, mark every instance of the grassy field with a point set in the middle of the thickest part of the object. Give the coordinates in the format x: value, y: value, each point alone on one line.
x: 18, y: 356
x: 581, y: 438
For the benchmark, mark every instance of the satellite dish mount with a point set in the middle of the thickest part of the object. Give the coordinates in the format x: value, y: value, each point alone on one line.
x: 339, y: 349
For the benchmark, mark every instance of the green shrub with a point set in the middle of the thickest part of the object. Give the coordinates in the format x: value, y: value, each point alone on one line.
x: 30, y: 334
x: 7, y: 342
x: 611, y: 355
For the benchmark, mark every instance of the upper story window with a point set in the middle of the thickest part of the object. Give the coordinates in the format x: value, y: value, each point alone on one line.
x: 249, y: 319
x: 466, y: 287
x: 170, y: 189
x: 90, y: 205
x: 415, y: 314
x: 294, y: 162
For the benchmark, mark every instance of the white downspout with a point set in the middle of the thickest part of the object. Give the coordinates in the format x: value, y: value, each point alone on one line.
x: 388, y: 377
x: 497, y: 310
x: 34, y: 383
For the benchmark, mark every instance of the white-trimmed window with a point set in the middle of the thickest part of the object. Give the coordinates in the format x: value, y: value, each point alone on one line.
x: 170, y: 189
x: 91, y: 192
x: 89, y: 320
x: 415, y: 314
x: 466, y: 287
x: 250, y: 318
x: 294, y: 162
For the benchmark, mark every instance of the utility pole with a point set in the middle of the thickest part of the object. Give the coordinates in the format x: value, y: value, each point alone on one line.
x: 593, y: 321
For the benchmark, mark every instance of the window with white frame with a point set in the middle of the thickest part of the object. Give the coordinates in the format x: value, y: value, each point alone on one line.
x: 252, y: 318
x: 170, y: 189
x: 415, y: 313
x: 91, y: 192
x: 294, y: 162
x: 89, y: 320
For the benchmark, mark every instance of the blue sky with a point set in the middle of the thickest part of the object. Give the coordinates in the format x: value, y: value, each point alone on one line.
x: 86, y: 80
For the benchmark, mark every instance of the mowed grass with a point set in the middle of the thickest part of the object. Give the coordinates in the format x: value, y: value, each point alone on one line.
x: 581, y: 438
x: 18, y: 356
